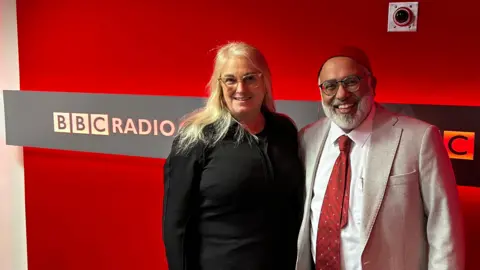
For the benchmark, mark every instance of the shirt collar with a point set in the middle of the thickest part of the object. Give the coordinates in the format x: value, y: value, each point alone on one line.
x: 359, y: 135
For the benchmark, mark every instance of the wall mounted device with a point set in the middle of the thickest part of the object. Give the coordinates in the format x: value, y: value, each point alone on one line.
x: 402, y: 16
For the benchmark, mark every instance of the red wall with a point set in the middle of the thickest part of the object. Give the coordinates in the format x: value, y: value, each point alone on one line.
x: 98, y: 212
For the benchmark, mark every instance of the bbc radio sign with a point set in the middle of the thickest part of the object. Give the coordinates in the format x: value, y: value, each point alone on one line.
x: 137, y: 125
x: 104, y: 125
x: 459, y: 144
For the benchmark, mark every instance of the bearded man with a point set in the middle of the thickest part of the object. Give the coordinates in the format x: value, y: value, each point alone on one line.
x: 380, y: 188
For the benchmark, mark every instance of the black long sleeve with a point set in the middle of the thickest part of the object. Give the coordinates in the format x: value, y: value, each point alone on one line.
x: 235, y: 205
x: 181, y: 173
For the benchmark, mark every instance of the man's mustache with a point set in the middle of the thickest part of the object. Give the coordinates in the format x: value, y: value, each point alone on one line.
x: 338, y: 103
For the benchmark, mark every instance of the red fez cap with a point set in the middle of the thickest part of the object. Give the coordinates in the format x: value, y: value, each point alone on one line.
x: 351, y: 52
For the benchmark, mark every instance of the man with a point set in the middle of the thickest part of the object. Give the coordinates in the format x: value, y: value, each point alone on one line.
x: 380, y: 189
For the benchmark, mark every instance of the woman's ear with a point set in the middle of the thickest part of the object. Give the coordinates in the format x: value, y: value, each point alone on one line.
x: 222, y: 99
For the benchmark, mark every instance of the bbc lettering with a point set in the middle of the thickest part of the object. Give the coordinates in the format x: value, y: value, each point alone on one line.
x: 81, y: 123
x: 103, y: 125
x: 459, y: 144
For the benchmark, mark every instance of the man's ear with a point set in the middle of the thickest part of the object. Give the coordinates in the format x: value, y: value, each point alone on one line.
x: 373, y: 84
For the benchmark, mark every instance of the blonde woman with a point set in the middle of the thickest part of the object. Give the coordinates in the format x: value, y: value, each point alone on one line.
x: 233, y: 179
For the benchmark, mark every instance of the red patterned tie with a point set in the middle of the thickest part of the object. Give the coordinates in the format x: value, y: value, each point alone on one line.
x: 334, y: 213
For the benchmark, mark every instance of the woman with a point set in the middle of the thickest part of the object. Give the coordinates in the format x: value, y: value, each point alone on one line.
x: 233, y: 179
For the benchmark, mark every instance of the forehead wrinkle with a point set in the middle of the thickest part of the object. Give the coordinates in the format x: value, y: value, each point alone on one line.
x: 230, y: 75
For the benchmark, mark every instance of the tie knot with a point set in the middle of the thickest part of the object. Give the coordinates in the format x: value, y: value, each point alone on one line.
x: 344, y: 143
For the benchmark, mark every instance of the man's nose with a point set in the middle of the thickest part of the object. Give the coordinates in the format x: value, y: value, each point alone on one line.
x: 342, y: 93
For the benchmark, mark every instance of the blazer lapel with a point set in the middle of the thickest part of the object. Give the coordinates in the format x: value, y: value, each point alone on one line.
x: 313, y: 143
x: 317, y: 142
x: 384, y: 141
x: 314, y: 146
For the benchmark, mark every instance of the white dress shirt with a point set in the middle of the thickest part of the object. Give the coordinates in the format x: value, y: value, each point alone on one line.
x: 350, y: 249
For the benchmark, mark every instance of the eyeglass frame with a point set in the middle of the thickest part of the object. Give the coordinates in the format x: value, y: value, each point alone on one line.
x: 342, y: 82
x: 257, y: 74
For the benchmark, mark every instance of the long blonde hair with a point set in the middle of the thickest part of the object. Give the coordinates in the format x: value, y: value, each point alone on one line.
x: 215, y: 112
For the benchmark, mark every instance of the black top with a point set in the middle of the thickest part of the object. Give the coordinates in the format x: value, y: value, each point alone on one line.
x: 235, y: 206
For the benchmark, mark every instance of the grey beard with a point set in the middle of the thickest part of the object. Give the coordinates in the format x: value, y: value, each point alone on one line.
x: 349, y: 122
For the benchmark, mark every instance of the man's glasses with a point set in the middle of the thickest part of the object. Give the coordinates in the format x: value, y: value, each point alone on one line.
x: 350, y: 83
x: 250, y: 80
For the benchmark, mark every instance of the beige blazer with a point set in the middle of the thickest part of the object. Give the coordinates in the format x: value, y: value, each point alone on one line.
x: 411, y: 213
